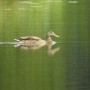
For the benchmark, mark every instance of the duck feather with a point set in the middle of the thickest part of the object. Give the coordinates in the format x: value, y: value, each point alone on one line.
x: 30, y: 38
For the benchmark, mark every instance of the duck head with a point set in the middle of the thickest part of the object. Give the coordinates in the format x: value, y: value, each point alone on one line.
x: 51, y: 33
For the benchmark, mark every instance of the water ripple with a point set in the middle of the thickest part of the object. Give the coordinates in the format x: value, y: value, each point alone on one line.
x: 72, y: 1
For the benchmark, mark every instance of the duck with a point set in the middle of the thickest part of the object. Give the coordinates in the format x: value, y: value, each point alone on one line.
x: 34, y: 41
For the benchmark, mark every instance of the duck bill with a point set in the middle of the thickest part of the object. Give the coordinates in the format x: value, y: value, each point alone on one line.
x: 56, y: 35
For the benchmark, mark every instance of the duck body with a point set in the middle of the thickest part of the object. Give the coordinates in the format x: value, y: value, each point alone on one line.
x: 33, y: 41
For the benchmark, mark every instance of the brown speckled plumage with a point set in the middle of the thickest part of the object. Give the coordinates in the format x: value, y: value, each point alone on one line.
x: 36, y: 41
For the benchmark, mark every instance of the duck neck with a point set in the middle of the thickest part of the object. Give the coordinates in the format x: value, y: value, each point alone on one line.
x: 49, y: 40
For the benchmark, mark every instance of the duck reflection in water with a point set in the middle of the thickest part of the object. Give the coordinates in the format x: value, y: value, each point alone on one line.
x: 33, y: 42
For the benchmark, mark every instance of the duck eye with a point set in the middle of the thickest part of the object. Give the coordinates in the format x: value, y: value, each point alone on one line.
x: 51, y: 32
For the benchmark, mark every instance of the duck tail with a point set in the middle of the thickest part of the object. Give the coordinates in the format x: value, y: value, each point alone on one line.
x: 17, y: 40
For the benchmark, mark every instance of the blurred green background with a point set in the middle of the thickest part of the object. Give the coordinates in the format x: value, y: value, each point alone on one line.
x: 67, y: 69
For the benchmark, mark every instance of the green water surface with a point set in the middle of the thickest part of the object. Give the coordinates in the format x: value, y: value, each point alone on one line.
x: 28, y: 69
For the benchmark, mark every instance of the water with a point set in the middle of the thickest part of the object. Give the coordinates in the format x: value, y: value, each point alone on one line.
x: 65, y: 65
